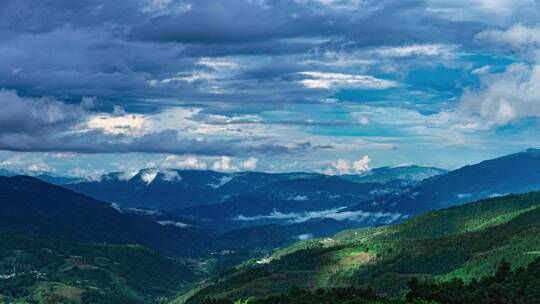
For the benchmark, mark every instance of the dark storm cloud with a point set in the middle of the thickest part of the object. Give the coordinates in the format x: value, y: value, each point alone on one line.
x: 111, y: 49
x: 214, y: 22
x: 366, y: 23
x: 162, y: 142
x: 35, y: 116
x: 42, y: 16
x: 48, y: 125
x: 147, y: 56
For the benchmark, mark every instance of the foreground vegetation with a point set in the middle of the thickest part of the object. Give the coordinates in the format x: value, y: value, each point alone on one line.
x: 506, y: 286
x: 343, y: 295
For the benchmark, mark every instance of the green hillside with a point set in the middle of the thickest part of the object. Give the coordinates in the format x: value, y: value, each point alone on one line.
x: 463, y: 242
x: 338, y: 295
x: 505, y: 286
x: 37, y: 269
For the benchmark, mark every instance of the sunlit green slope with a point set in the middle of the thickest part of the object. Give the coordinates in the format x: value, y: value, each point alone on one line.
x: 466, y: 242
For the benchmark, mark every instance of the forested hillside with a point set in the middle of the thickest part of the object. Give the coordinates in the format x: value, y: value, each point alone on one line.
x: 465, y: 242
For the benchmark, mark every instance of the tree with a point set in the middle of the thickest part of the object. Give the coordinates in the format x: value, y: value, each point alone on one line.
x: 503, y: 271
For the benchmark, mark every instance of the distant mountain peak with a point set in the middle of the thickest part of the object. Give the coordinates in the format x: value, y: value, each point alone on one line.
x: 513, y: 173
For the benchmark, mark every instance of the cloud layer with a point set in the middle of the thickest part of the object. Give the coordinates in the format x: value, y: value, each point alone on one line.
x: 283, y: 85
x: 336, y: 214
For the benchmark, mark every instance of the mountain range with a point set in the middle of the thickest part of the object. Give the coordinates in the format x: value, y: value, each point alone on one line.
x: 244, y: 234
x: 380, y: 196
x: 226, y: 201
x: 177, y: 189
x: 32, y: 206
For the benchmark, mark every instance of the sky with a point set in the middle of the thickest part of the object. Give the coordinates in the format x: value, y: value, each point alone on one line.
x: 330, y: 86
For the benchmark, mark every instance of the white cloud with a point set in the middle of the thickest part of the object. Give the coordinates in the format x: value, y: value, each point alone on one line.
x: 416, y: 50
x: 12, y: 161
x: 173, y: 223
x: 303, y: 237
x: 336, y: 214
x: 217, y: 63
x: 25, y: 163
x: 117, y: 207
x: 208, y: 82
x: 505, y: 97
x: 340, y: 5
x: 135, y: 125
x: 194, y: 76
x: 299, y: 198
x: 363, y: 120
x: 192, y: 162
x: 127, y: 175
x: 324, y: 80
x: 250, y: 164
x: 125, y: 124
x: 344, y: 166
x: 149, y: 175
x: 335, y: 59
x: 164, y: 7
x: 224, y: 164
x: 498, y: 11
x: 89, y: 173
x: 40, y: 167
x: 482, y: 70
x: 517, y: 38
x: 169, y: 175
x: 361, y: 165
x: 228, y: 120
x: 61, y: 155
x: 185, y: 163
x: 341, y: 166
x: 221, y: 182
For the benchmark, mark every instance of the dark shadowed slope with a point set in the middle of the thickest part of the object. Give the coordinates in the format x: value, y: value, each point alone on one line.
x: 32, y: 206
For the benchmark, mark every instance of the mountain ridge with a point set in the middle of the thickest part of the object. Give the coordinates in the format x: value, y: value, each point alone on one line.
x: 513, y: 173
x: 141, y: 189
x: 33, y: 206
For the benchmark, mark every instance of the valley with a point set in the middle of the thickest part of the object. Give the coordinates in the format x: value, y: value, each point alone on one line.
x: 263, y: 238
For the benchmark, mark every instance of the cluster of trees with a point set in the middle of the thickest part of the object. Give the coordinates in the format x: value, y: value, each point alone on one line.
x: 348, y: 295
x: 506, y: 286
x: 518, y: 287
